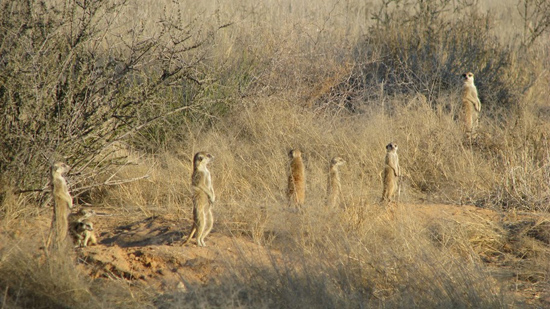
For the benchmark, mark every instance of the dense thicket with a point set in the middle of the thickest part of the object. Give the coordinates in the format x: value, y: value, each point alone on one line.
x: 74, y: 81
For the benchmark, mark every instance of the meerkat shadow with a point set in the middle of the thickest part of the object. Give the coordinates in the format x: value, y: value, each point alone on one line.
x: 150, y: 231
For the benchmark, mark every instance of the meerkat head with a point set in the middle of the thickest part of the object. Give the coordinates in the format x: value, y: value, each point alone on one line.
x: 60, y: 168
x: 468, y: 77
x: 202, y: 158
x: 86, y: 213
x: 391, y: 147
x: 336, y: 161
x: 84, y: 226
x: 294, y: 153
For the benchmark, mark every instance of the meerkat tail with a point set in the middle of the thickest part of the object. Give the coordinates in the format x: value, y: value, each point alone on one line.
x: 191, y: 234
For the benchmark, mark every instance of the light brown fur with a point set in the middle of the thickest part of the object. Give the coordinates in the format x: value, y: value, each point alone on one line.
x: 392, y: 171
x: 62, y: 203
x: 334, y: 187
x: 81, y: 214
x: 470, y: 104
x: 83, y: 233
x: 296, y: 192
x: 203, y: 198
x: 81, y: 228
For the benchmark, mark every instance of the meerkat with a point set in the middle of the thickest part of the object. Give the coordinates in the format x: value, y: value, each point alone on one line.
x: 391, y: 173
x: 61, y: 193
x: 203, y: 198
x: 63, y: 202
x: 81, y: 228
x: 334, y: 187
x: 83, y: 233
x: 470, y: 104
x: 81, y: 215
x: 296, y: 180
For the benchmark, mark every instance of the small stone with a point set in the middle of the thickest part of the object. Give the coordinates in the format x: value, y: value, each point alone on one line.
x: 181, y: 287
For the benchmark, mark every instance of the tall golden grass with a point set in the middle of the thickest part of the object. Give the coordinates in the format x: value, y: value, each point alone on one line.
x: 288, y: 75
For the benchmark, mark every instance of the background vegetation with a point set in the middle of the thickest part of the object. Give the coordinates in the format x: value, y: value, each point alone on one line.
x: 127, y: 92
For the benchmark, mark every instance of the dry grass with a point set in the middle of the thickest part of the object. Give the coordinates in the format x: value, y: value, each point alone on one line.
x: 31, y: 278
x: 382, y: 262
x: 288, y: 75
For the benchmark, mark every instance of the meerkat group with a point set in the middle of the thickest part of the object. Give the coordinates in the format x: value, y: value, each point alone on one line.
x: 81, y: 227
x: 76, y: 224
x: 203, y: 198
x: 83, y: 234
x: 203, y: 195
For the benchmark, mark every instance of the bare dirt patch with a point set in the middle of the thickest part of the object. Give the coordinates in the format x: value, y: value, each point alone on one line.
x: 149, y: 252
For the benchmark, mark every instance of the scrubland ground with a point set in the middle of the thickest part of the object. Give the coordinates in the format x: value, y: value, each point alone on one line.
x: 471, y: 227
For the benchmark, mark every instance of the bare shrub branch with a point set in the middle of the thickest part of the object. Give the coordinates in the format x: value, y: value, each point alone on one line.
x: 73, y: 82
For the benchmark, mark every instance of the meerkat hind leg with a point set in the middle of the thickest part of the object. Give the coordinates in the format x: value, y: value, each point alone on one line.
x: 86, y: 239
x: 79, y: 242
x: 90, y: 239
x: 209, y: 224
x: 201, y: 225
x: 200, y: 235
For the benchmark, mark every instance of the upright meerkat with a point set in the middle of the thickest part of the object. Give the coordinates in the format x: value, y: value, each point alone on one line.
x: 334, y: 188
x: 470, y: 104
x: 61, y: 193
x: 296, y: 180
x: 63, y: 202
x: 81, y: 228
x: 83, y: 233
x: 203, y: 198
x: 391, y: 173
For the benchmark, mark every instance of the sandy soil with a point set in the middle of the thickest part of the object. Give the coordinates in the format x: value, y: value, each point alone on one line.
x: 150, y: 252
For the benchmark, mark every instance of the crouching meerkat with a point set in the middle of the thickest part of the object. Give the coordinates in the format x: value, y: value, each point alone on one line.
x: 83, y: 233
x: 334, y: 188
x: 81, y: 228
x: 63, y: 202
x: 392, y: 172
x: 296, y: 192
x: 203, y: 198
x: 471, y: 106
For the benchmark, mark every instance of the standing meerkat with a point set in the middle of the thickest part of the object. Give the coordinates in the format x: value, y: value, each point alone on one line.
x: 471, y: 106
x: 334, y: 188
x: 296, y: 180
x: 392, y: 172
x: 63, y: 202
x: 203, y: 198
